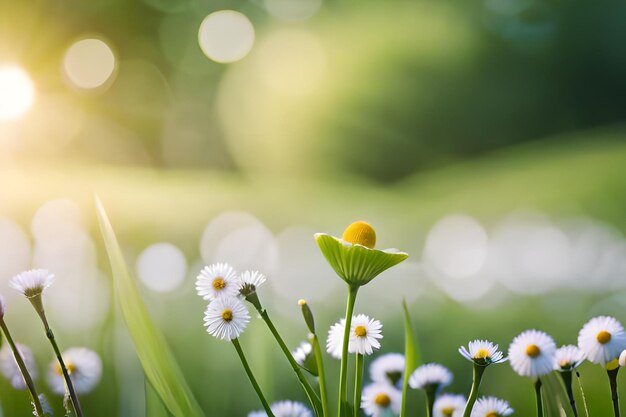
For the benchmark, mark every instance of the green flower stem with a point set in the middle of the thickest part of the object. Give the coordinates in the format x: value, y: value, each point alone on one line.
x: 538, y: 397
x: 613, y: 382
x: 478, y: 376
x: 310, y: 392
x: 358, y: 384
x: 255, y: 384
x: 343, y: 377
x: 20, y: 364
x: 66, y: 374
x: 317, y: 351
x: 567, y: 381
x: 431, y: 395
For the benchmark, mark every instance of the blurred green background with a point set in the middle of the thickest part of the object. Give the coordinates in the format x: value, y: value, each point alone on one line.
x: 486, y: 139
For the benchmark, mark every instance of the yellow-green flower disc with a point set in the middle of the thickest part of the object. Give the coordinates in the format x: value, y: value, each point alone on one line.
x: 354, y: 258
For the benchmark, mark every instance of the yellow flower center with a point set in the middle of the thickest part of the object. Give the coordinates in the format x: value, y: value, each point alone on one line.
x: 613, y: 365
x: 603, y: 337
x: 219, y: 283
x: 564, y: 364
x: 382, y: 400
x: 227, y: 314
x: 481, y: 354
x: 71, y: 368
x: 360, y: 233
x: 533, y: 351
x: 491, y: 414
x: 360, y: 331
x: 447, y: 411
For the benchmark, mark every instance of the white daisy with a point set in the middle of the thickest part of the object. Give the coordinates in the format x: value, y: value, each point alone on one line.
x: 364, y: 333
x: 290, y: 409
x: 9, y: 367
x: 32, y: 283
x: 217, y: 280
x: 226, y: 318
x: 380, y: 399
x: 448, y: 405
x: 334, y: 342
x: 388, y: 369
x: 85, y: 369
x: 249, y: 282
x: 482, y: 352
x: 532, y: 353
x: 602, y: 339
x: 491, y: 407
x: 567, y: 358
x: 430, y: 376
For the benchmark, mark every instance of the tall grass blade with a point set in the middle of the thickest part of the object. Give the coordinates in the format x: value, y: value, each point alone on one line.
x: 555, y: 401
x: 158, y: 363
x: 411, y: 354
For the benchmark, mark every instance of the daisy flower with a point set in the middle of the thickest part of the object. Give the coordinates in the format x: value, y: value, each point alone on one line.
x: 226, y: 318
x: 334, y: 342
x: 290, y: 409
x: 83, y: 365
x: 364, y: 335
x: 249, y: 282
x: 381, y: 400
x: 32, y: 283
x: 532, y: 353
x: 482, y: 352
x: 622, y: 358
x: 353, y: 257
x: 430, y: 376
x: 449, y: 405
x: 217, y: 280
x: 491, y: 407
x: 388, y: 369
x: 9, y: 367
x: 567, y: 358
x: 602, y: 339
x: 305, y: 358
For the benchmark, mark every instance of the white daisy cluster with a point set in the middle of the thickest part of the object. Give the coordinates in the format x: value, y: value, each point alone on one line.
x: 83, y: 365
x: 601, y: 340
x: 226, y: 316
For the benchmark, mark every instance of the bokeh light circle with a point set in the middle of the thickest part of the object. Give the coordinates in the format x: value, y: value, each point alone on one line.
x: 17, y: 92
x: 89, y: 63
x: 226, y: 36
x: 162, y: 267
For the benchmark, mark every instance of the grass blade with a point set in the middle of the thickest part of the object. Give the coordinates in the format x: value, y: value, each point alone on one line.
x: 159, y: 365
x: 555, y: 401
x: 411, y: 354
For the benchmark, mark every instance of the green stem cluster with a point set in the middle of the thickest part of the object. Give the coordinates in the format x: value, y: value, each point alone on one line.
x: 614, y: 396
x: 251, y: 377
x: 358, y: 384
x: 343, y: 377
x: 310, y: 392
x: 567, y: 381
x: 477, y: 377
x: 538, y: 397
x: 317, y: 351
x: 22, y: 366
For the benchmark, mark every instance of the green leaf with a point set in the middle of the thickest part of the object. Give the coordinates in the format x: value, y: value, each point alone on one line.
x: 158, y: 363
x: 555, y: 401
x: 411, y: 355
x: 356, y: 264
x: 154, y: 405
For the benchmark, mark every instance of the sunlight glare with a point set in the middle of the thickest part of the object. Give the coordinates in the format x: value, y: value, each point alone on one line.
x: 17, y: 92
